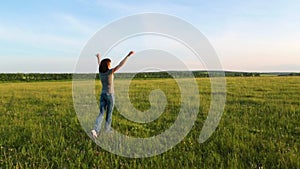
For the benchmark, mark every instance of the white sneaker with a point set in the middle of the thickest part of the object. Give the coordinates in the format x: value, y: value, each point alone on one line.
x: 94, y: 133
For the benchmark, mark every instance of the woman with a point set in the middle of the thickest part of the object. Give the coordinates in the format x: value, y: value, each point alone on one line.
x: 106, y: 75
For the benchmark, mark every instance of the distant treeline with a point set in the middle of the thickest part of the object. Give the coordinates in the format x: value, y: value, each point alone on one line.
x: 34, y: 76
x: 69, y: 76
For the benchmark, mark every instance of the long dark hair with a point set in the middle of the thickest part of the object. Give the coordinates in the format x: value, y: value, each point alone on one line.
x: 104, y: 65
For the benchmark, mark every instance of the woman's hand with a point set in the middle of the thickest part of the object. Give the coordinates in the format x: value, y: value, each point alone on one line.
x: 98, y: 58
x: 130, y: 53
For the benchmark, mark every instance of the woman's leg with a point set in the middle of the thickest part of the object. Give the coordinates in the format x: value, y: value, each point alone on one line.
x: 103, y: 105
x: 110, y: 108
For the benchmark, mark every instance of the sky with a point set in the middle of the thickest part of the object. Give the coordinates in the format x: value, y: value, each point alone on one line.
x: 48, y: 36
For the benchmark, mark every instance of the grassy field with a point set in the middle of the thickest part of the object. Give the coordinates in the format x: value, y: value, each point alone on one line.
x: 260, y: 127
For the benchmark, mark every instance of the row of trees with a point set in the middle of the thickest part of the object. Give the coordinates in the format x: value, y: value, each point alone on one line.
x: 68, y: 76
x: 33, y: 76
x: 185, y: 74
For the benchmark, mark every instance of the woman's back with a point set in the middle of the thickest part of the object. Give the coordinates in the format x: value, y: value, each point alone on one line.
x: 107, y: 80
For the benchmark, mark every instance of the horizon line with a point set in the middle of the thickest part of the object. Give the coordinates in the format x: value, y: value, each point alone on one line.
x: 232, y: 71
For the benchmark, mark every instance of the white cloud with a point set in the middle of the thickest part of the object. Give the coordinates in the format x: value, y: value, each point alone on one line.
x: 65, y: 33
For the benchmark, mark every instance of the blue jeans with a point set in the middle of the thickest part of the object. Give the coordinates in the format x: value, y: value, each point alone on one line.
x: 106, y: 104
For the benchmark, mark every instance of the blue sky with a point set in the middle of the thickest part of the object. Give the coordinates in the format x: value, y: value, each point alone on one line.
x: 48, y: 36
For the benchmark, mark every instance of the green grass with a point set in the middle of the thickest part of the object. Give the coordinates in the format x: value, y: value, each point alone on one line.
x: 259, y: 128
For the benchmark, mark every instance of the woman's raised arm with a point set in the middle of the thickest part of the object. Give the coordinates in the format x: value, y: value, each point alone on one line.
x: 123, y: 61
